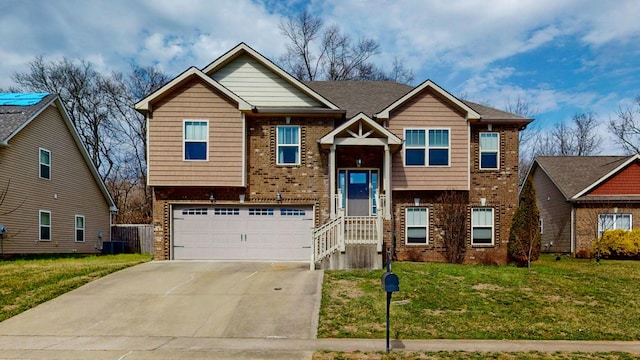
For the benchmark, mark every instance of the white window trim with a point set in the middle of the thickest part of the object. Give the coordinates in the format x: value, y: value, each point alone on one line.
x: 76, y: 228
x: 448, y: 147
x: 406, y: 226
x: 40, y: 163
x: 299, y: 145
x: 184, y: 140
x: 487, y: 151
x: 600, y: 224
x: 493, y: 226
x: 425, y: 147
x: 40, y: 212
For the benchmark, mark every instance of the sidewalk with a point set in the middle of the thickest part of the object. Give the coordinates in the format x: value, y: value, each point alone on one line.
x: 155, y: 347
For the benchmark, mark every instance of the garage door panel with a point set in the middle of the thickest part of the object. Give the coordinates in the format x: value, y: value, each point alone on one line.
x: 242, y: 233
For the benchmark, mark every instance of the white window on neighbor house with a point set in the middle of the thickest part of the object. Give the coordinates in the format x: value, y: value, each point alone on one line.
x: 44, y: 222
x: 439, y: 147
x: 196, y: 139
x: 288, y: 145
x: 415, y: 148
x: 489, y: 150
x: 45, y: 163
x: 482, y: 226
x: 79, y: 225
x: 417, y: 227
x: 541, y: 226
x: 613, y: 222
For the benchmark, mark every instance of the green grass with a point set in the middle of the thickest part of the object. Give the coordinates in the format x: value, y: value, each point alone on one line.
x: 459, y: 355
x: 25, y: 283
x: 571, y: 299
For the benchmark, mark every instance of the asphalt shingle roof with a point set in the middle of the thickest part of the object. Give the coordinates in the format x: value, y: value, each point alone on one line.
x: 572, y: 174
x: 13, y: 117
x: 371, y: 97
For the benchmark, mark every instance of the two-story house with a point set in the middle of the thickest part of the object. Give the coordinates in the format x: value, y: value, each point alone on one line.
x: 246, y: 162
x: 52, y: 199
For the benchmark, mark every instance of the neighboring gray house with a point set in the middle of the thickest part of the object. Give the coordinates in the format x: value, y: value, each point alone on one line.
x: 51, y: 197
x: 581, y: 196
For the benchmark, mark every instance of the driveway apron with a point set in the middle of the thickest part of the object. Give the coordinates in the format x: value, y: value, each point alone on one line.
x: 165, y: 300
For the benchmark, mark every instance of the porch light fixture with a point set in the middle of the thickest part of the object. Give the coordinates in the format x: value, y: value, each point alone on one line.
x: 358, y: 162
x: 212, y: 197
x: 278, y: 196
x: 241, y: 197
x: 416, y: 201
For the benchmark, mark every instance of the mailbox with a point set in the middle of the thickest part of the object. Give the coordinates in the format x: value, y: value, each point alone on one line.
x: 390, y: 282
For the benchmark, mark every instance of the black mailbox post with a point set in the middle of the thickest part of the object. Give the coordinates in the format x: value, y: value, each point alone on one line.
x: 390, y: 284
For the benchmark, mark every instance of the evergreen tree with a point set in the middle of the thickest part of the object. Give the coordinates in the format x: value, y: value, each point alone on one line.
x: 524, y: 240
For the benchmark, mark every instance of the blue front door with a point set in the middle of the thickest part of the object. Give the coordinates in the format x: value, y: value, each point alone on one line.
x: 359, y: 188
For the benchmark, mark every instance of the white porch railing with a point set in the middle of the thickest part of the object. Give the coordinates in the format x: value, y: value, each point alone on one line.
x: 345, y: 230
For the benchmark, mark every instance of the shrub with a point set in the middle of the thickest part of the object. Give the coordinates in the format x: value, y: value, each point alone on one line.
x: 619, y: 242
x: 524, y: 239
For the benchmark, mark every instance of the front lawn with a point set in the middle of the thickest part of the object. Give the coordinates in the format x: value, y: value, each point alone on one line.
x: 27, y: 283
x: 460, y: 355
x: 571, y: 299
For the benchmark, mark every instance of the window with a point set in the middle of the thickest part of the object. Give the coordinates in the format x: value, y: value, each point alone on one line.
x: 415, y: 149
x: 613, y: 222
x: 416, y: 223
x: 292, y: 212
x: 482, y: 226
x: 439, y: 147
x: 489, y: 145
x: 261, y: 212
x: 79, y: 228
x: 288, y: 145
x: 45, y: 164
x: 227, y: 211
x: 195, y: 211
x: 196, y: 137
x: 45, y: 225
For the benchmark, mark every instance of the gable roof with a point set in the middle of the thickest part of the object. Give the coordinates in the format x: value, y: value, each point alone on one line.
x: 390, y: 138
x: 244, y: 49
x: 489, y: 114
x: 469, y: 113
x: 144, y: 105
x: 14, y: 118
x: 574, y: 176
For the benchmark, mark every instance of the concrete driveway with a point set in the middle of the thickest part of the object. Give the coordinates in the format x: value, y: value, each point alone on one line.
x: 179, y: 307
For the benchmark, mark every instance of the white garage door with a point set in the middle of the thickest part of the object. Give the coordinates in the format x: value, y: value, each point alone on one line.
x: 242, y: 233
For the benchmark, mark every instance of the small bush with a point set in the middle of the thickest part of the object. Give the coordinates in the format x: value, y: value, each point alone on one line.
x: 619, y: 242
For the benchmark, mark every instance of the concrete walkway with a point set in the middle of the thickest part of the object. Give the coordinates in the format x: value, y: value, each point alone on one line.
x: 205, y: 310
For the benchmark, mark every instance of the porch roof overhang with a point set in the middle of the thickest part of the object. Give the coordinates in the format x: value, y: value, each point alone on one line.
x: 361, y: 130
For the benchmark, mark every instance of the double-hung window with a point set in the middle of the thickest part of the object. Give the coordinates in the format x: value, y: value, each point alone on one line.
x: 438, y: 147
x: 482, y: 226
x: 288, y: 145
x: 416, y: 220
x: 79, y: 224
x: 45, y: 163
x: 489, y: 150
x: 414, y: 147
x: 196, y: 139
x: 44, y: 225
x: 613, y: 222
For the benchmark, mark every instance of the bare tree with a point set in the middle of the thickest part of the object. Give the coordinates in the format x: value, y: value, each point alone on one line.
x: 579, y: 138
x: 626, y: 128
x: 453, y: 220
x: 318, y: 53
x: 79, y: 87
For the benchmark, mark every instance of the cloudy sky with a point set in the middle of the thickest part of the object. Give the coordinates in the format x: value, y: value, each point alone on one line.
x: 562, y: 57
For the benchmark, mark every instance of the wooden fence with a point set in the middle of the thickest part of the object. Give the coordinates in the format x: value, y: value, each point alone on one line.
x: 137, y: 238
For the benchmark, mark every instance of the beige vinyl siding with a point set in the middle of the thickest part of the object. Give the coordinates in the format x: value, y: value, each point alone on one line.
x: 259, y: 86
x: 195, y: 101
x: 426, y: 111
x: 555, y: 213
x: 71, y: 191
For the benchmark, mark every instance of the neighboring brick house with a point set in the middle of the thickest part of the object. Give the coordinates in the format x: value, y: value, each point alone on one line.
x: 581, y: 196
x: 51, y: 197
x: 246, y: 162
